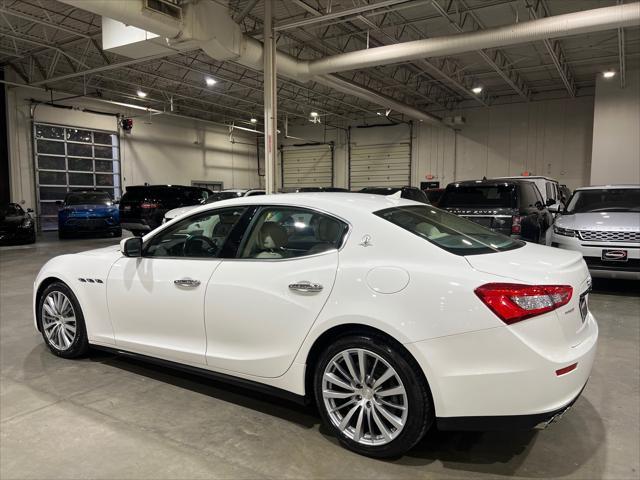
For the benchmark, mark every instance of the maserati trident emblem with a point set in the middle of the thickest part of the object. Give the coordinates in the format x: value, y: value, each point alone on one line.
x: 366, y: 241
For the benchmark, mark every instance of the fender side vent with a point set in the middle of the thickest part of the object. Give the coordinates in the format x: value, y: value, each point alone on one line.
x: 165, y: 7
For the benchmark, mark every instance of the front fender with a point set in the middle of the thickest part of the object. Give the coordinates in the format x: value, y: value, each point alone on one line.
x: 86, y: 276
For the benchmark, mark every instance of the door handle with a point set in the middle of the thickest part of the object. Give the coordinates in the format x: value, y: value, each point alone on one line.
x: 306, y: 287
x: 187, y: 282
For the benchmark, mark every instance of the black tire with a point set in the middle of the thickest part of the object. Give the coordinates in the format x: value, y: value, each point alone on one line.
x: 137, y: 233
x: 117, y: 233
x: 419, y: 403
x: 80, y: 344
x: 62, y: 235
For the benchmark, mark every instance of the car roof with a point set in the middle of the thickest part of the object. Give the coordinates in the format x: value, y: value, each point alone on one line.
x: 338, y: 203
x: 488, y: 182
x: 605, y: 187
x: 525, y: 177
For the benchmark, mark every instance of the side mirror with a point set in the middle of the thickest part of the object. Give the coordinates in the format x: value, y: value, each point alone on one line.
x: 539, y: 205
x: 131, y: 247
x: 556, y: 208
x: 550, y: 202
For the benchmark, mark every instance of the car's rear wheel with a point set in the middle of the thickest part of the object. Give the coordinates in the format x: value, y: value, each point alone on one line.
x: 61, y: 321
x: 372, y: 396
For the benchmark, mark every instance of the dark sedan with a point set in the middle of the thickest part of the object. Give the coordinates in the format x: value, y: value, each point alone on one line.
x: 16, y: 225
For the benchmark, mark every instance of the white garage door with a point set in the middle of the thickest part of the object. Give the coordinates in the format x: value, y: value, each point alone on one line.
x: 380, y: 165
x: 307, y: 166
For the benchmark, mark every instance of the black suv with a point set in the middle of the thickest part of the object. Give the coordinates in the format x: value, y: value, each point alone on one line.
x: 511, y: 207
x: 142, y: 207
x: 410, y: 193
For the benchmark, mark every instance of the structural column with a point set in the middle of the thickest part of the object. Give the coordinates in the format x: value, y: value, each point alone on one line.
x: 270, y: 99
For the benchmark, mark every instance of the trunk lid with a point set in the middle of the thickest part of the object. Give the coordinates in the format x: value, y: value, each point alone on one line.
x: 540, y: 265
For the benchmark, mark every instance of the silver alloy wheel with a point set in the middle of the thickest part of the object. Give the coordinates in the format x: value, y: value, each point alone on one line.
x: 364, y: 397
x: 59, y: 320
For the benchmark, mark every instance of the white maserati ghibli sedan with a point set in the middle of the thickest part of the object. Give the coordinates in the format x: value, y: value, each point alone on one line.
x: 389, y: 314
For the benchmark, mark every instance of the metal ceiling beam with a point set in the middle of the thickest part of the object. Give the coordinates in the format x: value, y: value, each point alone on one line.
x: 621, y: 55
x: 426, y: 66
x: 541, y: 10
x: 246, y: 10
x: 102, y: 68
x: 40, y: 21
x: 498, y: 61
x: 318, y: 17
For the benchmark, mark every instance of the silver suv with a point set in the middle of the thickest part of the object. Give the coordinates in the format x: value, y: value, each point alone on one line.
x: 603, y: 223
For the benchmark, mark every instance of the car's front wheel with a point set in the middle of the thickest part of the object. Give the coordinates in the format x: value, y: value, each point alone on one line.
x: 61, y: 321
x: 372, y: 396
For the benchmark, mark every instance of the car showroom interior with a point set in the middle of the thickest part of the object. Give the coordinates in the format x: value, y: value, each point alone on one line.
x: 333, y: 239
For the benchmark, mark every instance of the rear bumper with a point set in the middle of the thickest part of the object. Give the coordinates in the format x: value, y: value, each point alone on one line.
x: 505, y: 422
x: 89, y: 225
x: 499, y: 374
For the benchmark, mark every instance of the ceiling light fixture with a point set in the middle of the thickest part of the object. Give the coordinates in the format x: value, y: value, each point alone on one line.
x: 253, y: 120
x: 609, y: 74
x: 141, y: 94
x: 477, y: 90
x: 210, y: 81
x: 314, y: 114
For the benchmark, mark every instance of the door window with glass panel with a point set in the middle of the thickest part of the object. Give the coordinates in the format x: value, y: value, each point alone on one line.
x: 69, y: 158
x: 289, y: 232
x: 200, y: 236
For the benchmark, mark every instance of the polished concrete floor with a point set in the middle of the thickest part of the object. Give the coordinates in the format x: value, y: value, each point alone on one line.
x: 107, y: 417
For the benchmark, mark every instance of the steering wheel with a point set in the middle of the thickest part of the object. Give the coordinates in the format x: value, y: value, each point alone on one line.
x: 201, y: 244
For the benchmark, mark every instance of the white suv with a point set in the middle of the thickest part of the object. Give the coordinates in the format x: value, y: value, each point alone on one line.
x: 214, y: 197
x: 549, y: 188
x: 603, y: 223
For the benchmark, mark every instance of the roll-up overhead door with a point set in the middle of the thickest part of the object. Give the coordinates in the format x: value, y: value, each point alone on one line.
x: 307, y: 166
x: 376, y: 163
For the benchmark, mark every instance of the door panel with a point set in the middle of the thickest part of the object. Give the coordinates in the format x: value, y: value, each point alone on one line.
x: 153, y: 315
x: 255, y: 323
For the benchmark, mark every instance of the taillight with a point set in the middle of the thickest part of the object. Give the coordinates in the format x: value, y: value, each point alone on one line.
x: 513, y: 302
x: 148, y: 205
x: 516, y: 224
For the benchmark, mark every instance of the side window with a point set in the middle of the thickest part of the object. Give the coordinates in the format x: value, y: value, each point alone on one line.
x: 529, y: 197
x: 289, y: 232
x: 550, y: 190
x: 537, y: 194
x: 200, y: 236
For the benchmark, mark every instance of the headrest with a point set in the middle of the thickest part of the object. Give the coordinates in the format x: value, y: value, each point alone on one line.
x: 272, y: 235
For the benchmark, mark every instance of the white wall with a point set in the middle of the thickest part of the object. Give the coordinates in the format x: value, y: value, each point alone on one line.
x: 616, y: 131
x: 550, y: 137
x: 160, y: 149
x: 544, y: 138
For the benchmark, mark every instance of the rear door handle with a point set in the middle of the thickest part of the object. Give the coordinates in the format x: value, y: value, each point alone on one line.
x: 306, y: 287
x: 187, y: 282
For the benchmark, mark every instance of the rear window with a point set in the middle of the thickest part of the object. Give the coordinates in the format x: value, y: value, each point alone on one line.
x: 447, y: 231
x: 183, y: 194
x: 479, y: 196
x: 91, y: 198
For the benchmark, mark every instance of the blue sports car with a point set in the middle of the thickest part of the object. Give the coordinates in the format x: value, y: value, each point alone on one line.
x: 88, y: 212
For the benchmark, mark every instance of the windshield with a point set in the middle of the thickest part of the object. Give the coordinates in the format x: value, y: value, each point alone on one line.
x: 217, y: 196
x: 479, y: 196
x: 449, y: 232
x: 605, y: 200
x: 93, y: 198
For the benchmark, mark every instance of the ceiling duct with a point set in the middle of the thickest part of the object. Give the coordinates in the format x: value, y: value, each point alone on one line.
x: 209, y: 24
